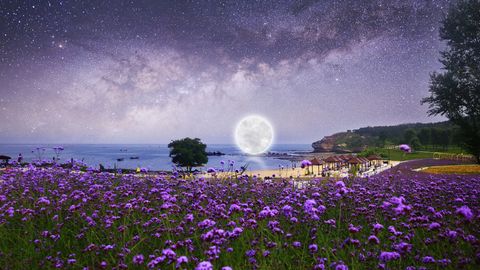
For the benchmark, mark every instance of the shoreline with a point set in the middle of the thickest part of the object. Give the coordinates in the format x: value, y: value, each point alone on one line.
x: 313, y: 172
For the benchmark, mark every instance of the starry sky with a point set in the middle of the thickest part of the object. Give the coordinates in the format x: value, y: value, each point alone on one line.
x: 150, y: 71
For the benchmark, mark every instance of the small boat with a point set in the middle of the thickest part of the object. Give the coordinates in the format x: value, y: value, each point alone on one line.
x: 120, y: 159
x: 135, y: 157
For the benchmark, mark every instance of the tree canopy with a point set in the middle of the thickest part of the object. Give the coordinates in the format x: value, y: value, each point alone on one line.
x: 455, y: 92
x: 188, y: 153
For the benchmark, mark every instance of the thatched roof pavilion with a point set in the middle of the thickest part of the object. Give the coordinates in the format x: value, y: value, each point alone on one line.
x: 354, y: 160
x: 331, y: 159
x: 364, y: 160
x: 317, y: 162
x: 374, y: 157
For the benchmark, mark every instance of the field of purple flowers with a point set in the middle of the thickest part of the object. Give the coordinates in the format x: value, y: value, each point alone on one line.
x: 58, y: 218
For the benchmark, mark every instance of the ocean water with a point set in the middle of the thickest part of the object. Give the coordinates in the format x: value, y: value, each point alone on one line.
x: 151, y: 156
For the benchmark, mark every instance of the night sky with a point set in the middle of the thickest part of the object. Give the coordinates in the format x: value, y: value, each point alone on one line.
x: 153, y: 71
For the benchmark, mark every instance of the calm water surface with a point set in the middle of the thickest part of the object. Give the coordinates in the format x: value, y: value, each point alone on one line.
x: 151, y: 156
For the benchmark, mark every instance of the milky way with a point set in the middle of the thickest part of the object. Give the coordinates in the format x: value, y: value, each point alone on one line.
x: 152, y: 71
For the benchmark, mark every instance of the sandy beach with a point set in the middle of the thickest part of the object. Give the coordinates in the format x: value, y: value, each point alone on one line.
x: 312, y: 172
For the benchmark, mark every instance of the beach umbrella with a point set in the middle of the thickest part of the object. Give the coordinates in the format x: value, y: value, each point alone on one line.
x: 305, y: 164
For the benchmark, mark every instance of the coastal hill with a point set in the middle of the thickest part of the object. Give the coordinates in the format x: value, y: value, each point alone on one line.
x: 440, y: 134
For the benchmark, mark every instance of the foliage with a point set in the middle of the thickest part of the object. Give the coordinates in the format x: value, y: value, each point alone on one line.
x: 455, y: 93
x: 188, y: 153
x: 409, y: 135
x: 354, y: 170
x: 415, y: 143
x: 63, y: 219
x: 368, y: 152
x: 434, y: 135
x: 396, y: 154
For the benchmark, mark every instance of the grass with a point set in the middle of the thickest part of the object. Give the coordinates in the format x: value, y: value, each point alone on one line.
x: 450, y: 149
x: 396, y: 154
x: 454, y: 169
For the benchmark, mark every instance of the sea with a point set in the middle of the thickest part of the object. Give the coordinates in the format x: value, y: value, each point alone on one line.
x: 152, y: 156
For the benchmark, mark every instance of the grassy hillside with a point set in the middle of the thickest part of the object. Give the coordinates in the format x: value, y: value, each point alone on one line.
x: 440, y: 136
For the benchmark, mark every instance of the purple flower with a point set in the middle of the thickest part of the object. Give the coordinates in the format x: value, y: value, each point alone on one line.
x: 466, y: 212
x: 189, y: 217
x: 373, y: 239
x: 182, y: 259
x: 234, y: 207
x: 353, y: 229
x: 205, y: 265
x: 428, y: 259
x: 287, y: 210
x: 250, y: 253
x: 43, y: 200
x: 309, y: 205
x: 138, y: 259
x: 386, y: 256
x: 340, y: 184
x: 227, y: 268
x: 313, y: 248
x: 377, y: 227
x: 108, y: 247
x: 452, y: 234
x: 207, y: 223
x: 444, y: 262
x: 168, y: 253
x: 403, y: 247
x: 296, y: 244
x: 434, y: 226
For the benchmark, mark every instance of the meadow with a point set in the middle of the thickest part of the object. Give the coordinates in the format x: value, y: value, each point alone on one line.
x: 399, y: 155
x: 53, y: 218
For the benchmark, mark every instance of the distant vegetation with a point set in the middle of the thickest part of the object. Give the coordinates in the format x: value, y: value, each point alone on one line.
x: 433, y: 137
x: 441, y: 136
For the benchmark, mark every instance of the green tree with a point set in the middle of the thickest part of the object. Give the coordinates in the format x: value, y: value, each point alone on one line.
x: 415, y: 143
x: 425, y: 136
x: 409, y: 135
x: 455, y: 93
x: 382, y: 137
x: 445, y: 138
x: 188, y: 153
x: 436, y: 134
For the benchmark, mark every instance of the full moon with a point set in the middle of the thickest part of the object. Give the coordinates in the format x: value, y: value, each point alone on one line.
x: 254, y: 135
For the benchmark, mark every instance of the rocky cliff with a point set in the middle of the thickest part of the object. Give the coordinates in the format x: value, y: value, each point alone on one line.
x: 343, y: 142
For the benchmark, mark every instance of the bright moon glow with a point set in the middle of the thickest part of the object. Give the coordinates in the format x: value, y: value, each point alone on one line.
x: 254, y: 135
